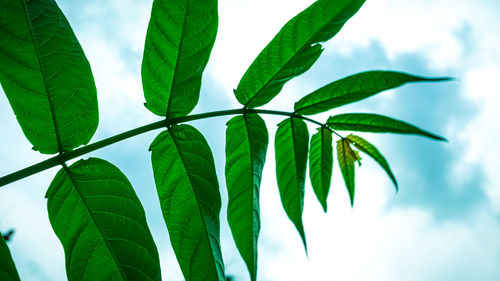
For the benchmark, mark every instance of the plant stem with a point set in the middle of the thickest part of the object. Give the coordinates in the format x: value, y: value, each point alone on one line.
x: 63, y: 157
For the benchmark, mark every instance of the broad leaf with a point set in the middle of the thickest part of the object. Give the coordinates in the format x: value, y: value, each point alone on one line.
x: 293, y: 50
x: 179, y: 40
x: 188, y: 189
x: 291, y: 147
x: 365, y: 122
x: 246, y: 147
x: 373, y: 152
x: 8, y: 271
x: 346, y: 157
x: 46, y: 77
x: 321, y: 164
x: 101, y: 224
x: 355, y: 88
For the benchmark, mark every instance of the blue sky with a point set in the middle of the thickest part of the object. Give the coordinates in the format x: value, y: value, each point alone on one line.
x: 442, y: 225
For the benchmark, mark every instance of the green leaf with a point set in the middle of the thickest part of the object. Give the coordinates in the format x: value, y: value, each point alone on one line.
x: 293, y: 50
x: 101, y: 224
x: 246, y: 147
x: 8, y: 271
x: 365, y: 122
x: 355, y: 88
x: 346, y: 157
x: 373, y: 152
x: 46, y: 76
x: 188, y: 189
x: 321, y: 164
x: 180, y: 37
x: 291, y: 148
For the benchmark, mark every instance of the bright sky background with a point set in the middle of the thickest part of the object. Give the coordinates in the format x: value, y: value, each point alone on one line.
x: 444, y: 224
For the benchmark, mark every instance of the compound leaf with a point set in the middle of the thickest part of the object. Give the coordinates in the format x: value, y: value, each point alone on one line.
x: 321, y: 164
x: 180, y: 37
x: 346, y: 157
x: 184, y: 173
x: 366, y: 122
x: 46, y: 76
x: 8, y: 271
x: 101, y: 224
x: 246, y: 147
x: 293, y: 50
x: 291, y: 148
x: 355, y: 88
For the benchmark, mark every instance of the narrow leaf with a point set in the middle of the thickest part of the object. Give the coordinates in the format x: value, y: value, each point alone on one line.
x: 101, y: 224
x: 321, y: 164
x: 8, y: 271
x: 365, y: 122
x: 246, y: 147
x: 373, y: 152
x: 180, y: 37
x: 346, y: 157
x: 355, y: 88
x: 293, y: 50
x: 291, y: 148
x: 46, y: 76
x: 188, y: 189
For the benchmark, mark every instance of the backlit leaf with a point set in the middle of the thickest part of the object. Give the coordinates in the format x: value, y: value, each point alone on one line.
x: 101, y: 224
x: 321, y: 164
x: 179, y: 40
x: 246, y: 147
x: 347, y: 157
x: 8, y: 271
x: 45, y: 75
x: 293, y: 50
x: 188, y: 189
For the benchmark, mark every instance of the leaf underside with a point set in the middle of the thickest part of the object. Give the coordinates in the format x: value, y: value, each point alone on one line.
x: 321, y: 164
x: 8, y: 271
x: 346, y: 157
x: 185, y: 178
x: 46, y: 76
x: 101, y: 224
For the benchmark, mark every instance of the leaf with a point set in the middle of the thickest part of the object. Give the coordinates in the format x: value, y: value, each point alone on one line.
x: 346, y: 157
x: 246, y: 146
x: 180, y: 37
x: 8, y: 271
x: 355, y: 88
x: 365, y: 122
x: 291, y: 147
x: 188, y: 189
x: 321, y: 164
x: 46, y: 76
x: 101, y: 224
x: 293, y: 50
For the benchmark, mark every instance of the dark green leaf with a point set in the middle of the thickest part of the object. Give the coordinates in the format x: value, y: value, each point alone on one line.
x: 101, y: 224
x: 46, y: 77
x: 291, y: 147
x: 246, y: 146
x: 8, y: 271
x: 365, y: 122
x: 321, y: 164
x: 293, y: 50
x: 188, y: 189
x: 179, y: 40
x: 355, y: 88
x: 373, y: 152
x: 347, y: 157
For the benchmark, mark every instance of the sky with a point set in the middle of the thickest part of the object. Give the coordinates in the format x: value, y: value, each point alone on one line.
x: 443, y: 224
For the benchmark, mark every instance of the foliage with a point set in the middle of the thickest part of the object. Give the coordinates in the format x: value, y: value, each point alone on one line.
x: 93, y: 208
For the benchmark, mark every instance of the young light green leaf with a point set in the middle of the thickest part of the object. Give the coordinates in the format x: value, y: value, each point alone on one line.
x: 365, y: 122
x: 355, y: 88
x: 293, y: 50
x: 180, y: 37
x: 346, y: 157
x: 291, y: 148
x: 373, y: 152
x: 101, y: 224
x: 246, y: 147
x: 321, y: 164
x: 46, y: 76
x: 8, y: 271
x: 184, y: 173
